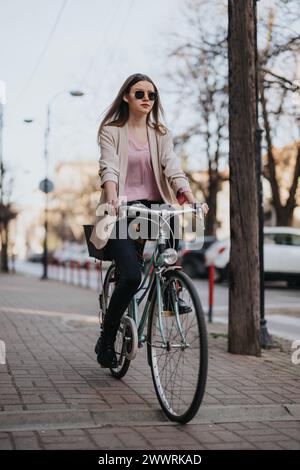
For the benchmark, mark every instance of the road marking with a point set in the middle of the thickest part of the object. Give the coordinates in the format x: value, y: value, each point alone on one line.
x: 283, y: 326
x: 51, y: 313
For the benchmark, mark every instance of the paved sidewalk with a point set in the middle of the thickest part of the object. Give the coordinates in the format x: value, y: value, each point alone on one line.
x: 53, y: 394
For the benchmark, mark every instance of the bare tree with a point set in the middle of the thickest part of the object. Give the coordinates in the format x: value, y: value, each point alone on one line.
x: 279, y: 71
x: 199, y: 81
x: 66, y: 220
x: 199, y: 78
x: 244, y: 254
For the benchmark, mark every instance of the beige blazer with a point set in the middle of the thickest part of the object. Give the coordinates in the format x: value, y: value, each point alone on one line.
x: 114, y: 160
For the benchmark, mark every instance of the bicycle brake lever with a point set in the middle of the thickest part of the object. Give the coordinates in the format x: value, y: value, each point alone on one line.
x: 198, y: 207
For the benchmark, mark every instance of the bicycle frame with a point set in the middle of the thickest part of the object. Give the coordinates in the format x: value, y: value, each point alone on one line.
x: 153, y: 275
x: 153, y: 280
x: 169, y: 329
x: 156, y: 268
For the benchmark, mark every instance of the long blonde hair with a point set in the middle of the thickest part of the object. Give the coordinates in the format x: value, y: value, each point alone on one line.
x: 118, y: 112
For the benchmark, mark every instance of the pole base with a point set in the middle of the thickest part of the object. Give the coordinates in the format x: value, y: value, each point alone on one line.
x: 210, y: 312
x: 266, y: 341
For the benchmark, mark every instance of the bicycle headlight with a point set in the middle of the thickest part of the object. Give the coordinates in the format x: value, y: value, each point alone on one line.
x: 170, y: 256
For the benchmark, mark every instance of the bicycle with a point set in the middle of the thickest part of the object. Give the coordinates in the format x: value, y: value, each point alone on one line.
x: 176, y: 342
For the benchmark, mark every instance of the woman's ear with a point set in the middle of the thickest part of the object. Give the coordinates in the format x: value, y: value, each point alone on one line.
x: 125, y: 98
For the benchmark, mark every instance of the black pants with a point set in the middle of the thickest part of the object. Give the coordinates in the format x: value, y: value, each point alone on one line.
x: 125, y: 254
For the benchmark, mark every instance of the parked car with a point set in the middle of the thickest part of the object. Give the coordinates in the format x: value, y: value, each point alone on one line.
x: 281, y: 255
x: 192, y: 258
x: 35, y: 257
x: 39, y: 257
x: 72, y: 252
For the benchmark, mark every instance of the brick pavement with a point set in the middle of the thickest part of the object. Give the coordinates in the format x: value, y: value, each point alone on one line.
x: 53, y: 395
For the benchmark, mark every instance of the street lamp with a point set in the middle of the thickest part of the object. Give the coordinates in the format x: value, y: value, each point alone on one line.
x: 265, y: 337
x: 46, y: 185
x: 76, y: 93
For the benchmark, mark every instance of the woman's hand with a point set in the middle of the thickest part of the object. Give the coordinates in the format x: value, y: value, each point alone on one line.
x: 111, y: 196
x: 191, y: 200
x: 205, y: 208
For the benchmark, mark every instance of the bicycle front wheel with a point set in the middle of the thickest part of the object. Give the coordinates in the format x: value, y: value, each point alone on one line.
x: 178, y: 366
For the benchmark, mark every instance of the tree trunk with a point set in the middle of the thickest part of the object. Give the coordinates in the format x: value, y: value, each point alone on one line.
x: 284, y: 218
x: 244, y: 294
x: 4, y: 254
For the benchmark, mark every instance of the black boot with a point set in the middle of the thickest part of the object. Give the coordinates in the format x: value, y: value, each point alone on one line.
x: 183, y: 307
x: 106, y: 355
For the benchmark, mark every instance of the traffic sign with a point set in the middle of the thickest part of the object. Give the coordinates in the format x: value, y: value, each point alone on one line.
x: 46, y: 186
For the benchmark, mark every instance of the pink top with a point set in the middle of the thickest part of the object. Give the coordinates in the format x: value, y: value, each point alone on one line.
x: 140, y: 181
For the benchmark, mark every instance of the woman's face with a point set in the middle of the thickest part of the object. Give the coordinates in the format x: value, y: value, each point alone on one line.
x: 143, y: 105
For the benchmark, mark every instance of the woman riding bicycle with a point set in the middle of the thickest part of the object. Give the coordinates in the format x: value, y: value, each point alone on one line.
x: 137, y: 161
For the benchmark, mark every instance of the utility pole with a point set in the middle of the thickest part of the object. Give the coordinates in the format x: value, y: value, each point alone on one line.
x: 46, y: 190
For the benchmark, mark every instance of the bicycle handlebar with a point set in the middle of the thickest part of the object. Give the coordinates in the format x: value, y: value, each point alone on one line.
x: 162, y: 212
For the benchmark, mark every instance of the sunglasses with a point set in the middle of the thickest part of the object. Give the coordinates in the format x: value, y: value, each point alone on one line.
x: 152, y: 95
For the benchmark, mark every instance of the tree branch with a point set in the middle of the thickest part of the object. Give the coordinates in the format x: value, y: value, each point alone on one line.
x: 283, y: 80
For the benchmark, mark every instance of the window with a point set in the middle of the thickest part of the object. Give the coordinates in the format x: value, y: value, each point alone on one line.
x: 295, y: 240
x: 269, y: 239
x: 288, y: 239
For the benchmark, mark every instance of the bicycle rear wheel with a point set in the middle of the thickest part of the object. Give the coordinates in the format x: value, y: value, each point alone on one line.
x: 108, y: 288
x: 179, y: 368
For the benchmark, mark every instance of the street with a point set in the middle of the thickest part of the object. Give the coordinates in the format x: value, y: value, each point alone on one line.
x: 282, y: 304
x: 54, y: 395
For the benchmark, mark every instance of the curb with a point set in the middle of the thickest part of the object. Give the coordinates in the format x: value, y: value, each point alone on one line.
x: 213, y: 414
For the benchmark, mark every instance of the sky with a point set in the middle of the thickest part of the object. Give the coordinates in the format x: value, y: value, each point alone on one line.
x: 49, y: 47
x: 95, y: 46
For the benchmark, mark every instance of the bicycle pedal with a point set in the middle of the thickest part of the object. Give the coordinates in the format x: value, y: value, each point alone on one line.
x: 170, y: 313
x: 167, y: 313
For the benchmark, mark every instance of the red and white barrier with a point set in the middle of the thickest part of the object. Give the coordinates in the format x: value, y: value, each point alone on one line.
x: 72, y: 272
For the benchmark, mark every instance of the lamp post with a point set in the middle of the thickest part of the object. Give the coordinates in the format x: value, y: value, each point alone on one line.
x: 2, y: 101
x: 46, y: 185
x: 265, y: 337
